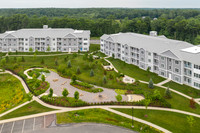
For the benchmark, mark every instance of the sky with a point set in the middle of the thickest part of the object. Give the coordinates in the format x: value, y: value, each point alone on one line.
x: 100, y: 3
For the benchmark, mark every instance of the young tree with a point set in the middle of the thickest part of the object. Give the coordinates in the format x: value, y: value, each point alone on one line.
x: 192, y: 103
x: 50, y: 92
x: 78, y: 71
x: 151, y: 86
x: 104, y: 80
x: 146, y: 103
x: 74, y: 78
x: 190, y: 120
x: 43, y: 78
x: 69, y: 64
x: 23, y: 60
x: 65, y: 92
x: 66, y: 58
x: 76, y: 95
x: 48, y: 49
x: 91, y: 73
x: 119, y: 98
x: 113, y: 55
x: 30, y: 49
x: 168, y: 93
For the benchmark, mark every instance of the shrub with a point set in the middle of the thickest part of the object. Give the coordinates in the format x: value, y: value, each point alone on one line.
x: 151, y: 86
x: 156, y: 95
x: 65, y: 92
x: 76, y: 95
x: 74, y: 78
x: 69, y: 64
x: 43, y: 78
x: 119, y: 98
x: 91, y: 58
x: 91, y: 73
x: 50, y: 92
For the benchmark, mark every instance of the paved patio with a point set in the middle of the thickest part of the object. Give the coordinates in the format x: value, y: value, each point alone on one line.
x: 58, y: 83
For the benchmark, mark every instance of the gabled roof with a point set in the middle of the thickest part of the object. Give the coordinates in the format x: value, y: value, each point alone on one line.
x: 150, y: 43
x: 168, y: 53
x: 109, y: 39
x: 43, y: 33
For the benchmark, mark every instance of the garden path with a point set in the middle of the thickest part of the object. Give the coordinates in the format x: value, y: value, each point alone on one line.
x: 58, y: 83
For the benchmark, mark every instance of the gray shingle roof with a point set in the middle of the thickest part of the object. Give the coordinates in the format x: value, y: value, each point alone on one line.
x: 155, y: 44
x: 49, y: 32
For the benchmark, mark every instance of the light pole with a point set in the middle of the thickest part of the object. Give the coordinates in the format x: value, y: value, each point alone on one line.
x: 132, y: 118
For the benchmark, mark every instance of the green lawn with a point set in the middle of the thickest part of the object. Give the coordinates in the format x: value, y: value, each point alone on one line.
x: 135, y: 71
x: 11, y: 92
x: 177, y: 102
x: 100, y: 54
x: 94, y: 47
x: 100, y: 116
x: 190, y: 91
x: 171, y: 121
x: 29, y: 109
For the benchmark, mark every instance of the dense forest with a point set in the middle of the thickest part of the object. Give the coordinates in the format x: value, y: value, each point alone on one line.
x: 181, y: 24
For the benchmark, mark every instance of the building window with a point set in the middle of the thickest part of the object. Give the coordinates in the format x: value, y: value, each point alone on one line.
x: 149, y: 60
x: 162, y: 65
x: 162, y: 58
x: 176, y: 70
x: 149, y: 54
x: 176, y: 62
x: 162, y: 73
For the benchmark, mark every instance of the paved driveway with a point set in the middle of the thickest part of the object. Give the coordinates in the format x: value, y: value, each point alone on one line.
x: 107, y: 94
x: 85, y: 128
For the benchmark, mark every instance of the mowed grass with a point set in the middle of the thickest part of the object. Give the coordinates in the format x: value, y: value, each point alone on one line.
x: 135, y: 71
x: 94, y: 47
x: 29, y: 109
x: 100, y: 116
x: 190, y: 91
x: 174, y: 122
x: 177, y: 102
x: 10, y: 87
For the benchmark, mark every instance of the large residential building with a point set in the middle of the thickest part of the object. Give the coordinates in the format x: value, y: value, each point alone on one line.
x: 173, y: 59
x: 46, y: 39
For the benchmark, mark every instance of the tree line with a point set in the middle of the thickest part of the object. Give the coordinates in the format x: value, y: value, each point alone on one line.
x: 180, y: 28
x: 118, y: 13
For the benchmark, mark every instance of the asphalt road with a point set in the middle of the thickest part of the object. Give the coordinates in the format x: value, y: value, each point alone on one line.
x: 84, y: 128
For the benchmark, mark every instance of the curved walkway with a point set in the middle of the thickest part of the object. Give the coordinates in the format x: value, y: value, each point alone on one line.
x: 63, y: 109
x: 108, y: 95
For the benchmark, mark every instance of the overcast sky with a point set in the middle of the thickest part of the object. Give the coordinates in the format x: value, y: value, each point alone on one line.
x: 100, y: 3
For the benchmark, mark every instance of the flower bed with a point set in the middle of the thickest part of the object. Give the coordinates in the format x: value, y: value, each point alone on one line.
x: 63, y: 101
x: 37, y: 87
x: 86, y: 87
x: 37, y: 72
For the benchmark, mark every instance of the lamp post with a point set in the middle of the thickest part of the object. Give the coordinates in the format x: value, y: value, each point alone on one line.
x: 132, y: 117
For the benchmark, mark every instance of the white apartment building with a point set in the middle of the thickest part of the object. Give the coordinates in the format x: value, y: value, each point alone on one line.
x: 173, y: 59
x: 46, y: 39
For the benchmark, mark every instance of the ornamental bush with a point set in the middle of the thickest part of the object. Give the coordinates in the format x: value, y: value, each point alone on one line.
x: 76, y: 95
x: 65, y: 92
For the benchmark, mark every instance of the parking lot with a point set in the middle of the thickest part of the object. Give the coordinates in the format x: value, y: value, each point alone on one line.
x: 27, y: 125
